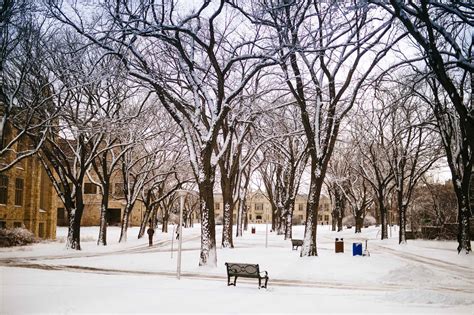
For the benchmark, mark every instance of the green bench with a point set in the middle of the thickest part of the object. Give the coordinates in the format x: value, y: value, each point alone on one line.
x: 246, y: 271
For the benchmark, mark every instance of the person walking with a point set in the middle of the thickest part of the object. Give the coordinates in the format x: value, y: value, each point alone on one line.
x: 150, y: 233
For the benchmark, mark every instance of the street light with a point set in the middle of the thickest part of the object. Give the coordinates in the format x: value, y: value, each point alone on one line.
x: 266, y: 227
x: 182, y: 194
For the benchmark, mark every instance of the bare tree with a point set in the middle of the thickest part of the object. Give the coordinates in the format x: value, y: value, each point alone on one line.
x: 414, y: 148
x: 197, y: 63
x: 77, y: 136
x: 169, y: 176
x: 370, y: 133
x: 113, y: 120
x: 443, y: 32
x: 335, y: 180
x: 25, y: 91
x: 326, y: 51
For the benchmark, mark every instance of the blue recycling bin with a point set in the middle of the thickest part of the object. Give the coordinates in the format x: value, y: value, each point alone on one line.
x: 356, y: 249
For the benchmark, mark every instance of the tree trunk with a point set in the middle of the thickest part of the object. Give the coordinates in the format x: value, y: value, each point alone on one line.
x: 289, y: 225
x: 103, y: 221
x: 145, y: 219
x: 402, y: 212
x: 164, y: 225
x: 246, y: 218
x: 208, y: 256
x: 274, y: 218
x: 359, y: 221
x: 464, y: 214
x: 309, y: 242
x: 338, y: 213
x: 241, y: 215
x: 289, y: 219
x: 102, y: 240
x: 75, y: 216
x: 125, y: 222
x: 227, y: 220
x: 383, y: 218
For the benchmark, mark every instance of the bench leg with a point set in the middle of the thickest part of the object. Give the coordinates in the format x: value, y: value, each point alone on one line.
x: 229, y: 283
x: 260, y: 283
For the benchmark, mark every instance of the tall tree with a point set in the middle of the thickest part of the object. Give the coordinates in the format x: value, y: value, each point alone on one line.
x: 413, y: 150
x: 76, y: 139
x: 370, y: 133
x: 25, y: 81
x: 327, y: 49
x: 443, y: 32
x: 197, y: 62
x: 114, y: 118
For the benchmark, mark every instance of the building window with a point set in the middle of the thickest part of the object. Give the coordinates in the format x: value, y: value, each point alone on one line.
x: 259, y: 207
x: 3, y: 189
x: 217, y: 206
x: 61, y: 215
x: 118, y: 187
x: 90, y: 189
x: 320, y: 217
x: 18, y: 191
x: 41, y: 230
x: 3, y: 225
x: 17, y: 224
x: 300, y: 207
x: 326, y: 217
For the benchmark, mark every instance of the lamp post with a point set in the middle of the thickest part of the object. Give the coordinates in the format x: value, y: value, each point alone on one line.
x: 182, y: 194
x: 266, y: 227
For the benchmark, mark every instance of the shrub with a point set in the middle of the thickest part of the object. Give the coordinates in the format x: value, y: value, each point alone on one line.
x: 16, y: 237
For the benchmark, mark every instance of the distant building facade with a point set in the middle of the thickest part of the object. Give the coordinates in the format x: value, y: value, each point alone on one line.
x: 259, y: 209
x: 92, y: 203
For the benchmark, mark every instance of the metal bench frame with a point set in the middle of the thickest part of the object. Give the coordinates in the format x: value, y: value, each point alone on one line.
x: 246, y: 271
x: 296, y: 243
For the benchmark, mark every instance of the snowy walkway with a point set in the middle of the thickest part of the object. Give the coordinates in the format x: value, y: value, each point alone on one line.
x: 421, y: 277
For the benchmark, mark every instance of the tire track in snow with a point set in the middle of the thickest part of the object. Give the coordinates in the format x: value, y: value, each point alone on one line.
x: 433, y: 262
x: 80, y: 254
x: 378, y: 287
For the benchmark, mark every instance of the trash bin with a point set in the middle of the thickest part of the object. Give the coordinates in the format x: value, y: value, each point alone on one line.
x: 356, y: 249
x: 339, y: 245
x: 253, y: 230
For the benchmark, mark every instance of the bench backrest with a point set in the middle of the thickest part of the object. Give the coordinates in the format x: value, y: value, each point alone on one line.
x: 242, y: 269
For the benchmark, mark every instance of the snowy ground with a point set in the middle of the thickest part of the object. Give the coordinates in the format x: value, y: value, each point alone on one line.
x: 421, y: 277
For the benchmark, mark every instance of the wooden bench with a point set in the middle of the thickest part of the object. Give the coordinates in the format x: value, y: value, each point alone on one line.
x: 246, y: 271
x: 296, y: 243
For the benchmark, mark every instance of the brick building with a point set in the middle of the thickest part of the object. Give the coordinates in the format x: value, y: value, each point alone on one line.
x: 26, y: 195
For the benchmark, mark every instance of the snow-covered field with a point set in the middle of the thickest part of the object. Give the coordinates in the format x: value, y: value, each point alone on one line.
x: 420, y: 277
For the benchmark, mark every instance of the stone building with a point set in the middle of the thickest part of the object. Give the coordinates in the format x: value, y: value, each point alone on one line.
x: 26, y: 195
x: 92, y: 201
x: 259, y: 209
